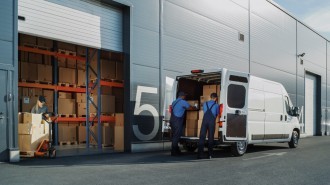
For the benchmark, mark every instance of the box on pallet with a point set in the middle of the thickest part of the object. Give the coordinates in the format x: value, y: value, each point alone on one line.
x: 107, y: 103
x: 81, y: 51
x: 29, y: 71
x: 67, y: 133
x: 49, y: 95
x: 47, y: 43
x: 81, y: 133
x: 119, y: 133
x: 35, y: 58
x: 45, y: 73
x: 71, y: 63
x: 66, y: 46
x: 108, y: 69
x: 67, y: 75
x: 61, y: 62
x: 64, y: 95
x: 81, y: 78
x: 28, y: 103
x: 66, y: 106
x: 107, y: 135
x: 81, y: 109
x: 81, y: 98
x: 27, y: 39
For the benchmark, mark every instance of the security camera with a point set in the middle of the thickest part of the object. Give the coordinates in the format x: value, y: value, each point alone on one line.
x: 301, y: 55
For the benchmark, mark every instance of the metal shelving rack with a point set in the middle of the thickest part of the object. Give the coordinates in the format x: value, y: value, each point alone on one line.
x: 90, y: 86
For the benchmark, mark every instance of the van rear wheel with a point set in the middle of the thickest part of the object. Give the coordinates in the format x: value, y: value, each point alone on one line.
x: 239, y: 148
x: 294, y: 140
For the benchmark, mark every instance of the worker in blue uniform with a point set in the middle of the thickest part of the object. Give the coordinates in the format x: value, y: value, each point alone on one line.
x: 179, y: 107
x: 211, y: 112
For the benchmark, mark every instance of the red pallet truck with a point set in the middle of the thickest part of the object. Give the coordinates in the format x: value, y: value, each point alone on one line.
x: 46, y: 149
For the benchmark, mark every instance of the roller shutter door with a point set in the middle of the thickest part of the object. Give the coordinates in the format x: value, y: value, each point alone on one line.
x: 82, y: 22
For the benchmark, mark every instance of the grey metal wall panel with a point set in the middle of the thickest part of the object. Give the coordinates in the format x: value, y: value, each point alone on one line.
x: 6, y: 52
x: 312, y: 44
x: 146, y: 14
x: 85, y: 22
x: 145, y: 47
x: 243, y: 3
x: 224, y: 12
x: 273, y: 37
x: 182, y: 56
x: 288, y: 80
x: 6, y: 21
x: 149, y: 77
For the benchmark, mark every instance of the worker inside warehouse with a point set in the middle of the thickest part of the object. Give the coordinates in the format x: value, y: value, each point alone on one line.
x: 40, y: 106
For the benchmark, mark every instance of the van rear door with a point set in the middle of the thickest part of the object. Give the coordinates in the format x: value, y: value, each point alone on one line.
x: 235, y: 100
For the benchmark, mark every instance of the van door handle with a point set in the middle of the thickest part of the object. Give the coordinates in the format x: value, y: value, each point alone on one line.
x: 1, y: 115
x: 281, y: 117
x: 238, y: 112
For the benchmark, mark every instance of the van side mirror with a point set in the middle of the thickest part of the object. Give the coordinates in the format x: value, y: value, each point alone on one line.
x: 295, y: 111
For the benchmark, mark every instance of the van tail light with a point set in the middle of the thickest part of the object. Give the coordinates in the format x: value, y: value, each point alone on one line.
x: 170, y: 109
x: 221, y: 109
x: 220, y: 124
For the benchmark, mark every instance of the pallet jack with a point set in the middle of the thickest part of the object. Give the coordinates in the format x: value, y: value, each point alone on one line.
x: 45, y: 148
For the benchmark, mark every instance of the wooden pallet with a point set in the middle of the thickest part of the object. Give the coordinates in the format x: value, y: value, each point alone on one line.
x: 27, y: 154
x: 36, y: 81
x: 61, y: 143
x: 63, y: 84
x: 67, y: 115
x: 36, y: 46
x: 67, y: 52
x: 112, y: 80
x: 82, y: 142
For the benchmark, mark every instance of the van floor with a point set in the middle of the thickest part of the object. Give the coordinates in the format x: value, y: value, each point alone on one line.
x: 80, y: 149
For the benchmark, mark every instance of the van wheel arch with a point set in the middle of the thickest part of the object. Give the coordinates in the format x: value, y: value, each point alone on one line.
x: 239, y: 148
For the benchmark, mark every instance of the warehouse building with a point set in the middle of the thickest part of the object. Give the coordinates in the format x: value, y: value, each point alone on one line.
x: 136, y: 49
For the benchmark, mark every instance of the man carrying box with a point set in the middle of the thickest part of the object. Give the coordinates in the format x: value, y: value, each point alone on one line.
x: 211, y: 112
x: 179, y: 107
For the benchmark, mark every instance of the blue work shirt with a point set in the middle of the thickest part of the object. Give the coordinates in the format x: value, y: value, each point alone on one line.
x: 215, y: 108
x: 179, y: 106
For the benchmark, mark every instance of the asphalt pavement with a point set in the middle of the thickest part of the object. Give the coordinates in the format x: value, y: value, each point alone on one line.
x: 262, y: 164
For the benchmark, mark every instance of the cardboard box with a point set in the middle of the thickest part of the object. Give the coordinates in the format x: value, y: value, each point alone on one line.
x: 29, y: 71
x: 47, y: 60
x: 71, y: 63
x: 28, y: 143
x: 47, y: 43
x: 108, y: 69
x: 23, y: 57
x: 119, y: 119
x: 200, y: 114
x: 107, y: 135
x: 191, y: 132
x: 81, y: 51
x: 66, y: 46
x: 28, y: 103
x: 209, y: 89
x: 192, y: 115
x: 35, y: 92
x: 67, y: 133
x: 81, y: 78
x: 29, y: 128
x: 106, y: 90
x: 45, y: 73
x: 81, y: 65
x: 192, y: 124
x: 64, y: 95
x: 218, y: 91
x: 35, y: 58
x: 24, y: 91
x: 81, y: 109
x: 120, y: 71
x: 81, y: 132
x: 61, y: 62
x: 81, y: 98
x: 66, y: 106
x: 204, y: 99
x: 193, y: 102
x: 67, y: 75
x: 108, y: 104
x: 49, y: 95
x: 31, y: 118
x: 27, y: 39
x: 119, y: 138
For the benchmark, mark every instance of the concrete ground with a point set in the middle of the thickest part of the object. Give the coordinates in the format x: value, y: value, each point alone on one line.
x: 262, y: 164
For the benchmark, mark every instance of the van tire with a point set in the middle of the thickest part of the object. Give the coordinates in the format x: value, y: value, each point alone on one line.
x: 294, y: 140
x: 239, y: 148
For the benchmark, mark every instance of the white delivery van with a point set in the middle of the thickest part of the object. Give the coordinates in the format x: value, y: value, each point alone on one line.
x: 253, y: 110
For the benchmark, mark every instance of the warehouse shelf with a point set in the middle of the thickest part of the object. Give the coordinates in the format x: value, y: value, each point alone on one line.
x: 36, y: 85
x: 71, y: 89
x: 83, y: 119
x: 50, y: 53
x: 111, y: 84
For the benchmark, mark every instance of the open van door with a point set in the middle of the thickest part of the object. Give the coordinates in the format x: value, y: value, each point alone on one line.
x: 235, y: 87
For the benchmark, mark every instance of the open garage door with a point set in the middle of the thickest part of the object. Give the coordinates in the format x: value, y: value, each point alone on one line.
x: 82, y: 22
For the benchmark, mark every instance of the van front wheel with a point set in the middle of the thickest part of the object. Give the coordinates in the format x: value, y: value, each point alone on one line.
x: 294, y: 140
x: 239, y: 148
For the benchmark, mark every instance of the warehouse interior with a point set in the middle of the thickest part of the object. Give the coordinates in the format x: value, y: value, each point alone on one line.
x: 58, y: 71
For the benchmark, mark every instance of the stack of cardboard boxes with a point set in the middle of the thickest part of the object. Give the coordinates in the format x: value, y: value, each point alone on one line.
x: 66, y: 104
x: 32, y: 130
x: 67, y: 133
x: 28, y: 98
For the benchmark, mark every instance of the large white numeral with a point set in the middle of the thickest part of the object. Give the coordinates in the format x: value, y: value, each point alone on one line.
x: 146, y: 107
